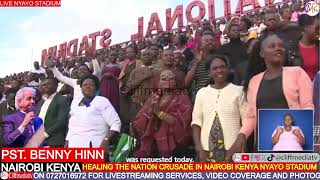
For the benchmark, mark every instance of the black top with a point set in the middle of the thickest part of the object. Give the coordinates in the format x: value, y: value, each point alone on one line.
x: 240, y: 73
x: 236, y: 52
x: 186, y: 61
x: 270, y: 94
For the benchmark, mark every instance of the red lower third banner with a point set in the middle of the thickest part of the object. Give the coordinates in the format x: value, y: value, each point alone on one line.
x: 173, y: 175
x: 157, y: 167
x: 199, y: 167
x: 30, y: 3
x: 52, y: 155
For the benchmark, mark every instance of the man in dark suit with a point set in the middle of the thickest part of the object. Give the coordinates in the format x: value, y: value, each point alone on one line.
x: 6, y: 108
x: 54, y: 110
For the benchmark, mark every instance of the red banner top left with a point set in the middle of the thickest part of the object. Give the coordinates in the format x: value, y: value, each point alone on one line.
x: 30, y: 3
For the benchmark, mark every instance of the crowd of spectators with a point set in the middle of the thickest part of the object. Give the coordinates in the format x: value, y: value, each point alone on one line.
x: 189, y: 92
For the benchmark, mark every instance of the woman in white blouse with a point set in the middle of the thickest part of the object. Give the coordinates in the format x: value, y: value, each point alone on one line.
x: 93, y: 121
x: 218, y: 111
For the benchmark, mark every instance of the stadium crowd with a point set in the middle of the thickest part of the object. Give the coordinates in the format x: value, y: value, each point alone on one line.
x: 193, y: 92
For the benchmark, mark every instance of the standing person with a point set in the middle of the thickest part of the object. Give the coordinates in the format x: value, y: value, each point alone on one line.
x: 128, y: 65
x: 274, y: 87
x: 285, y: 13
x: 163, y: 123
x: 71, y: 65
x: 168, y: 64
x: 93, y: 121
x: 37, y: 69
x: 180, y: 41
x: 155, y: 53
x: 15, y: 84
x: 101, y: 58
x: 19, y: 127
x: 178, y: 58
x: 245, y: 34
x: 54, y: 110
x: 190, y: 42
x: 83, y: 71
x: 309, y: 44
x: 189, y: 35
x: 296, y: 11
x: 65, y: 90
x: 6, y: 108
x: 121, y: 55
x: 34, y: 80
x: 189, y: 31
x: 125, y: 100
x: 289, y: 32
x: 154, y: 50
x: 240, y: 71
x: 140, y: 84
x: 65, y: 64
x: 235, y: 50
x: 8, y: 105
x: 109, y: 86
x: 207, y: 27
x: 272, y: 23
x: 141, y: 45
x: 216, y: 123
x: 197, y: 73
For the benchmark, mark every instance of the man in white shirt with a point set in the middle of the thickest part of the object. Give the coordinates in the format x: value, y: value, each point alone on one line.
x: 71, y: 64
x: 37, y: 69
x: 34, y: 80
x: 54, y: 110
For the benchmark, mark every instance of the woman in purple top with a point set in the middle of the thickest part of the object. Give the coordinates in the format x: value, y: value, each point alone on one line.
x: 288, y: 137
x: 109, y: 85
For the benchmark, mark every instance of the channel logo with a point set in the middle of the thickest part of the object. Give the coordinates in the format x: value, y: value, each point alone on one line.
x: 245, y: 157
x: 312, y: 8
x: 253, y: 157
x: 4, y: 175
x: 240, y: 158
x: 236, y: 158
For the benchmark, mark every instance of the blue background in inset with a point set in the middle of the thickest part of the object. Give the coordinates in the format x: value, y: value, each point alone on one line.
x: 270, y: 119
